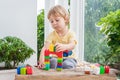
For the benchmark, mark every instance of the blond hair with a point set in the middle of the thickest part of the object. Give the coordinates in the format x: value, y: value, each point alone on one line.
x: 59, y: 11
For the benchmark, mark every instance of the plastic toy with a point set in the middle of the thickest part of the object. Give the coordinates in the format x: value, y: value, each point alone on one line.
x: 60, y: 55
x: 100, y: 69
x: 59, y: 59
x: 107, y: 69
x: 23, y: 70
x: 29, y: 70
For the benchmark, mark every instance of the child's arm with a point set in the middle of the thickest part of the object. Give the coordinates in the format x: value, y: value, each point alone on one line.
x: 62, y: 47
x: 41, y: 58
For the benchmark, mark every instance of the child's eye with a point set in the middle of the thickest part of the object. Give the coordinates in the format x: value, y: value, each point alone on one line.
x: 57, y: 20
x: 51, y: 21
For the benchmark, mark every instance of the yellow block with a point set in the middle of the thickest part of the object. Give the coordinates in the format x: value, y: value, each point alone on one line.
x: 51, y: 48
x: 47, y: 62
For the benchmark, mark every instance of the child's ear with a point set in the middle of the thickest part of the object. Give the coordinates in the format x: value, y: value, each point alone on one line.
x: 66, y: 19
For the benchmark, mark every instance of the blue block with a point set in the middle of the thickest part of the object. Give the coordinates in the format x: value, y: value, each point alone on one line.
x: 47, y: 65
x: 65, y: 54
x: 59, y: 66
x: 70, y: 53
x: 18, y: 70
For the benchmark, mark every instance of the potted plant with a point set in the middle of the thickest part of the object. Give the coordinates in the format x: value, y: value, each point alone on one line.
x: 13, y: 51
x: 110, y: 27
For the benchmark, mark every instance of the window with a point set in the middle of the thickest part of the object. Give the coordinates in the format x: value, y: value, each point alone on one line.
x: 94, y: 44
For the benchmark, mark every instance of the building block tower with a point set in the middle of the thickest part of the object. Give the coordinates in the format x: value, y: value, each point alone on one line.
x: 60, y: 55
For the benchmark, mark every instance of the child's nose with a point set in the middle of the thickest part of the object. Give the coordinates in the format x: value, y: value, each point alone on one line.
x: 54, y: 22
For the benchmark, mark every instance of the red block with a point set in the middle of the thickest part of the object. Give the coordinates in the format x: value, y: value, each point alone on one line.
x: 107, y: 69
x: 47, y: 60
x: 59, y: 54
x: 59, y: 64
x: 66, y: 51
x: 52, y: 52
x: 47, y: 52
x: 29, y: 70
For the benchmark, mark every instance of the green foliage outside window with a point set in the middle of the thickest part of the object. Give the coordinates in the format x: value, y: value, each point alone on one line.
x: 95, y: 45
x: 110, y: 27
x: 40, y: 31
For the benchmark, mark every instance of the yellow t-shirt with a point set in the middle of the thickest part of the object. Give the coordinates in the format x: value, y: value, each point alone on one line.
x: 54, y: 38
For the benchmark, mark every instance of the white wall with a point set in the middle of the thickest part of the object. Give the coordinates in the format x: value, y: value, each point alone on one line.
x: 19, y: 18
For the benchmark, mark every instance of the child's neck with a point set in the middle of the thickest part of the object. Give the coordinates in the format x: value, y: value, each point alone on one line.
x: 63, y: 32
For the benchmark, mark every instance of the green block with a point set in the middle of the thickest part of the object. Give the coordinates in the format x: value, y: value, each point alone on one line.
x: 47, y: 67
x: 59, y: 61
x: 59, y: 58
x: 102, y: 70
x: 59, y: 69
x: 54, y: 49
x: 23, y: 71
x: 47, y: 57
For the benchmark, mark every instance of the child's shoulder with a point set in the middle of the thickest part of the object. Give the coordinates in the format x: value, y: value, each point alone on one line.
x: 71, y: 32
x: 52, y: 32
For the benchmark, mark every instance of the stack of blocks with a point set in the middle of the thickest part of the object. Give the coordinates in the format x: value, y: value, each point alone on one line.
x: 23, y: 70
x: 47, y: 58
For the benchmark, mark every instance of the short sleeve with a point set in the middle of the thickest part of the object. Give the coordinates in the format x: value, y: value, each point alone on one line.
x: 73, y: 37
x: 49, y: 38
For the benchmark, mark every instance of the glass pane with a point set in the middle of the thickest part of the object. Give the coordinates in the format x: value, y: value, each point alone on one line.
x: 95, y: 45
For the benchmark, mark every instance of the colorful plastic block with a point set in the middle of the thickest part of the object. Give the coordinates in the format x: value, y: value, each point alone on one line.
x: 51, y: 48
x: 59, y: 61
x: 47, y: 57
x: 46, y: 52
x: 107, y: 69
x: 67, y: 53
x: 102, y: 70
x: 18, y: 70
x: 59, y: 64
x: 47, y: 67
x: 23, y: 71
x: 47, y: 60
x: 59, y: 69
x: 29, y: 70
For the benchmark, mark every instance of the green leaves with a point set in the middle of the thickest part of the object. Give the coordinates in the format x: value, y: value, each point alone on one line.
x: 96, y: 44
x: 13, y: 49
x: 40, y: 31
x: 110, y: 27
x: 110, y: 23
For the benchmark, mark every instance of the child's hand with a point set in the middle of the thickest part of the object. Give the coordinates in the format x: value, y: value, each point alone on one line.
x: 41, y: 65
x: 60, y: 47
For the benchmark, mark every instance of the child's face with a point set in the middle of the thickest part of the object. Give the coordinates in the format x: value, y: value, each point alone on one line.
x: 58, y: 23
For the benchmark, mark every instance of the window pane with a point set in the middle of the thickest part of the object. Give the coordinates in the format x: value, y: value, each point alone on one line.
x: 94, y: 41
